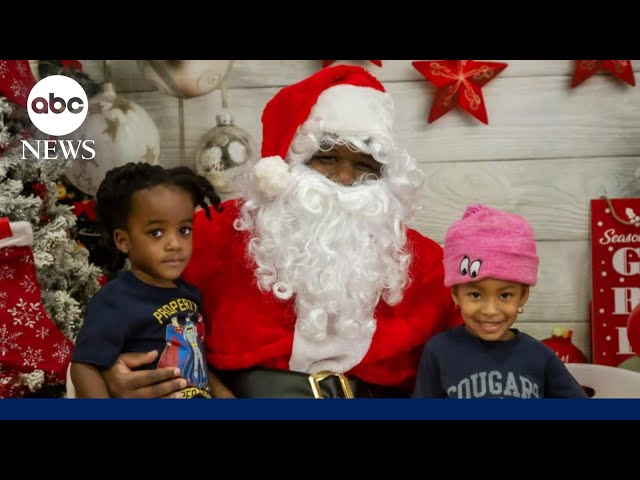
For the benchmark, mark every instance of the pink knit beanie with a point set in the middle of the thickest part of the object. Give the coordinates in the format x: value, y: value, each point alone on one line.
x: 490, y: 243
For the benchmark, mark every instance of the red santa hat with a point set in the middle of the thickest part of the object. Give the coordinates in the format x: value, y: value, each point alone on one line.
x: 345, y: 100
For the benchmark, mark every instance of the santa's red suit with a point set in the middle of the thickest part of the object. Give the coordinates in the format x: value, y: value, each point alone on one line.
x: 247, y: 328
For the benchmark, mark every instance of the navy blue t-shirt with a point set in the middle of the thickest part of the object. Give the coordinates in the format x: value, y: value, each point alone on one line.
x: 129, y: 315
x: 456, y: 364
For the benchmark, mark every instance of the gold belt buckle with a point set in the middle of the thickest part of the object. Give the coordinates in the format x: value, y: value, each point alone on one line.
x: 316, y: 378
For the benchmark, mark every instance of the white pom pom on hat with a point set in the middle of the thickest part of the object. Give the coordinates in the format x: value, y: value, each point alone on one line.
x: 271, y: 176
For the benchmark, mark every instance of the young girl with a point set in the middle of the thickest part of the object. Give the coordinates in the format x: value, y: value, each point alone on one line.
x: 147, y: 212
x: 490, y: 262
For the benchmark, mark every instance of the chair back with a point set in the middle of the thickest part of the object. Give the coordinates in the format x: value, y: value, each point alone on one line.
x: 605, y: 381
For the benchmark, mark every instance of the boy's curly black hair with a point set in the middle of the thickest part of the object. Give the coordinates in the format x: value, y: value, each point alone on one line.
x: 116, y: 191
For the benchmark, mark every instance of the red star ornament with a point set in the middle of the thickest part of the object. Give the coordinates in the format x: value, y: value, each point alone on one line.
x: 459, y: 82
x: 620, y: 69
x: 326, y: 63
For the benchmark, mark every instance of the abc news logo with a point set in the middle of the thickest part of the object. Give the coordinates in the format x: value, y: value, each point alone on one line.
x: 58, y: 105
x: 40, y: 105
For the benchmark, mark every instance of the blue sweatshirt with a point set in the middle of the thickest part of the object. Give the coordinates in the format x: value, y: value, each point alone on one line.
x: 456, y: 364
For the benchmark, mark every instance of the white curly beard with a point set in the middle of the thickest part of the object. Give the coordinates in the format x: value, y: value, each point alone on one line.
x: 336, y: 250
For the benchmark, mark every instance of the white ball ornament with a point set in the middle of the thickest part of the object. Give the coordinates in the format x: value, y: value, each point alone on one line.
x: 123, y: 132
x: 223, y: 153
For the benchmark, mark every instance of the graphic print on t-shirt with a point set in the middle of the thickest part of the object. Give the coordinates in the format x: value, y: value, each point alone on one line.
x: 494, y: 384
x: 184, y: 333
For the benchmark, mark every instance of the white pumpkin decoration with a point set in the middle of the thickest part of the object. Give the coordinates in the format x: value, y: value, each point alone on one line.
x: 123, y: 132
x: 185, y: 78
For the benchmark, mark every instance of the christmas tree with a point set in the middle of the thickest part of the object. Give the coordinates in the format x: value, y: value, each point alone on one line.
x: 64, y: 274
x: 28, y: 192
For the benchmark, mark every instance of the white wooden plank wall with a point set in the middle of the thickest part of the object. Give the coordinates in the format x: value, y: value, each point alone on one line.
x: 548, y: 149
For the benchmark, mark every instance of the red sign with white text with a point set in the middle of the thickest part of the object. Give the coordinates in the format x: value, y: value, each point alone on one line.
x: 615, y: 274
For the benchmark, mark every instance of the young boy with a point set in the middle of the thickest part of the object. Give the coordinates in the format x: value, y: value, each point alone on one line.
x: 490, y: 262
x: 147, y: 212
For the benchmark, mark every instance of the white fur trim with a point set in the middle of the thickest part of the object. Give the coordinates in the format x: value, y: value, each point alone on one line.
x: 333, y: 353
x: 351, y: 110
x: 22, y: 235
x: 271, y: 176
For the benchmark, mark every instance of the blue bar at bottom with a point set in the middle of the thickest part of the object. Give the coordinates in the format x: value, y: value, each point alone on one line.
x: 327, y: 409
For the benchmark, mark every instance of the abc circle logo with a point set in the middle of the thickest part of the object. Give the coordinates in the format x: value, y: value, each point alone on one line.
x: 57, y: 105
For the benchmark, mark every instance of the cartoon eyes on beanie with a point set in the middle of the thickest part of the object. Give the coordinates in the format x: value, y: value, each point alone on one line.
x: 464, y: 266
x: 472, y: 268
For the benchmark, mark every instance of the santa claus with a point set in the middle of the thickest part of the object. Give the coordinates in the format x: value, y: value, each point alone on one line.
x: 313, y: 276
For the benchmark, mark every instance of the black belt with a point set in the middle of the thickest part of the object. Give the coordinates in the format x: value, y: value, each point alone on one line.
x: 275, y: 383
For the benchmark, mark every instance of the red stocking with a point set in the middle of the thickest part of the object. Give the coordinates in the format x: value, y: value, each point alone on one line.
x: 33, y: 351
x: 16, y: 81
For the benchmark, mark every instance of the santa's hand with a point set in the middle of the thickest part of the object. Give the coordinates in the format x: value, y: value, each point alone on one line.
x: 122, y: 382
